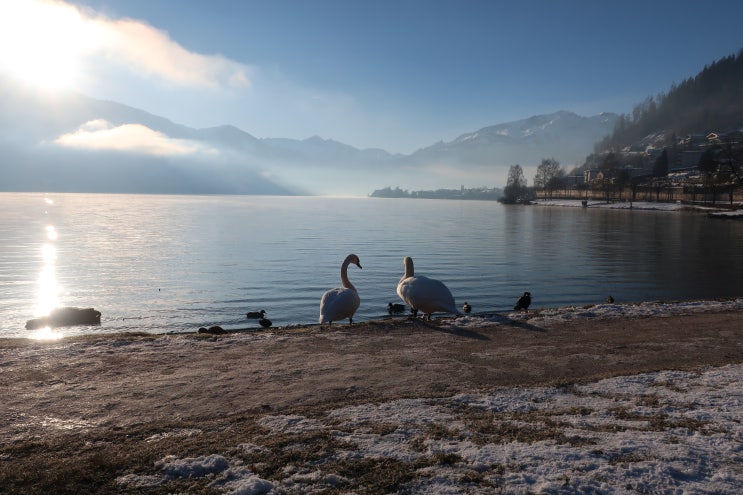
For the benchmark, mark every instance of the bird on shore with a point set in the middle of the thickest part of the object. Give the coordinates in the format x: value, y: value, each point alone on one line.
x: 425, y: 294
x: 256, y: 314
x: 393, y: 308
x: 341, y: 302
x: 523, y: 302
x: 610, y: 300
x: 466, y: 307
x: 265, y: 322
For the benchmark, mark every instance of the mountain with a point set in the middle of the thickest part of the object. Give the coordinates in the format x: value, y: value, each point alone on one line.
x: 565, y: 136
x: 70, y: 142
x: 711, y: 101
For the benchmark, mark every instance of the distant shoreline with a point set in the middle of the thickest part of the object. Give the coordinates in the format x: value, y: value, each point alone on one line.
x: 714, y: 211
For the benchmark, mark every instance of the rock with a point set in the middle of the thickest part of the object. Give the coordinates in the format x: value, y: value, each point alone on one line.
x: 214, y: 330
x: 66, y: 317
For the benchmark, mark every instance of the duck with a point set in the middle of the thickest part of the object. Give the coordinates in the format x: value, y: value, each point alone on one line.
x: 256, y: 314
x: 610, y: 300
x: 523, y: 302
x: 342, y: 302
x: 425, y: 294
x: 395, y: 308
x: 466, y: 307
x: 265, y: 322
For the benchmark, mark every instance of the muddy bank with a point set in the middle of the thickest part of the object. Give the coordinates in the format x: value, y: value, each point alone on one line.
x: 119, y: 381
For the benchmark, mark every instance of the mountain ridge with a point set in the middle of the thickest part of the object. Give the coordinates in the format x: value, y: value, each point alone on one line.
x: 32, y: 125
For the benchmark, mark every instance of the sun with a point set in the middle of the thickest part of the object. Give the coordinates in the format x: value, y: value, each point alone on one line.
x: 42, y: 42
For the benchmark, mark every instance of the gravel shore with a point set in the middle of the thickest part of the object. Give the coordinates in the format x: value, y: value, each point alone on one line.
x: 98, y: 402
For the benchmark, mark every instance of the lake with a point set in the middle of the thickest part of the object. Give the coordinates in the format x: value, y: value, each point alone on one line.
x: 176, y: 263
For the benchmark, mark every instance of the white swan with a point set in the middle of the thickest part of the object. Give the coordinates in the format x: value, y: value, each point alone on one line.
x: 425, y: 294
x: 342, y: 302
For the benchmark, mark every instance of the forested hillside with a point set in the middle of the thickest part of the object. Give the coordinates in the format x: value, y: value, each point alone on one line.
x: 712, y: 101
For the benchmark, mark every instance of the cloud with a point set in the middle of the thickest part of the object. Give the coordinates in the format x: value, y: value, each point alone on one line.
x: 36, y: 33
x: 145, y: 49
x: 101, y: 135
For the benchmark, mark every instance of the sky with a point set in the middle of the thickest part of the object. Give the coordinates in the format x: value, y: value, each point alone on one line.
x: 397, y: 75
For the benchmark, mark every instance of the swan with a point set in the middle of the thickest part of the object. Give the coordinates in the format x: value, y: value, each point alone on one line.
x: 523, y: 302
x: 342, y: 302
x: 423, y: 293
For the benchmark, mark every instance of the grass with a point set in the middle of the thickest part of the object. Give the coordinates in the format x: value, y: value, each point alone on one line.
x: 320, y: 458
x: 83, y: 463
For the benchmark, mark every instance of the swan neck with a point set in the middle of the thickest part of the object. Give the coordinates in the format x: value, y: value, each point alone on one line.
x: 409, y: 271
x: 344, y: 276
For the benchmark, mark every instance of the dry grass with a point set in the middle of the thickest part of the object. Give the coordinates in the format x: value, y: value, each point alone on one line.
x: 198, y: 398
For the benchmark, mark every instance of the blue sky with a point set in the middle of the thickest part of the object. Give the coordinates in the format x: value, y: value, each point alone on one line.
x: 397, y: 75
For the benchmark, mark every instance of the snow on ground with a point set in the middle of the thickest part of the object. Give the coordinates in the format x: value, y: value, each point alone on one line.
x: 599, y: 311
x: 642, y: 205
x: 736, y: 214
x: 663, y: 432
x: 619, y: 205
x: 673, y: 432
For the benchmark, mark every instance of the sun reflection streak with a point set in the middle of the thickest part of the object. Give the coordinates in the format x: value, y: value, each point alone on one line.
x: 48, y: 297
x: 51, y: 233
x: 49, y: 289
x: 46, y: 333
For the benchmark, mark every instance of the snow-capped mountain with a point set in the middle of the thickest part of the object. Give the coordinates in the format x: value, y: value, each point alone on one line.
x: 76, y: 143
x: 562, y: 135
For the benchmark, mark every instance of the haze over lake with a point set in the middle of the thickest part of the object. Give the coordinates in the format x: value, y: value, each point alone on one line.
x: 175, y: 263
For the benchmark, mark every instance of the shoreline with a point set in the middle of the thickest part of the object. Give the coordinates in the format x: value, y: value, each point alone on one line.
x: 540, y: 314
x: 378, y: 406
x: 713, y: 211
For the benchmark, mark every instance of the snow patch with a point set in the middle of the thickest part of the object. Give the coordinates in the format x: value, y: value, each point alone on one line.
x: 662, y: 432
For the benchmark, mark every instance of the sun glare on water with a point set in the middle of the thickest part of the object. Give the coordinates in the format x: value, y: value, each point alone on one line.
x: 49, y: 289
x: 46, y: 333
x: 42, y: 42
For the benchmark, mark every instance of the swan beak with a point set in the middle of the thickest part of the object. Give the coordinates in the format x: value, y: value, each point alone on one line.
x: 359, y: 265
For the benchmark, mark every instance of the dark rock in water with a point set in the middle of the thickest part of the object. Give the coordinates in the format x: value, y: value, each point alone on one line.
x: 265, y: 322
x: 393, y: 308
x: 66, y: 317
x: 214, y: 330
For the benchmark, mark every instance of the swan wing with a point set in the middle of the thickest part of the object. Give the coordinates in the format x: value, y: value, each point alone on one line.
x: 338, y: 304
x: 426, y: 294
x: 403, y: 289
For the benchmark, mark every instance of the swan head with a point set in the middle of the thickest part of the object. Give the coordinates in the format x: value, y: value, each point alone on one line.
x: 352, y: 258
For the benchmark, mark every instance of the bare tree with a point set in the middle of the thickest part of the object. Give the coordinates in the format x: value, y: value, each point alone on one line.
x: 549, y: 175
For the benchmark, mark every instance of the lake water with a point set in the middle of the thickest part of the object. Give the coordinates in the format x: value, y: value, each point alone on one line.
x: 176, y: 263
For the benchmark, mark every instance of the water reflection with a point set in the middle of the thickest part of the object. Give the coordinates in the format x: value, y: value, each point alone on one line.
x: 49, y: 289
x: 48, y: 296
x: 46, y: 333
